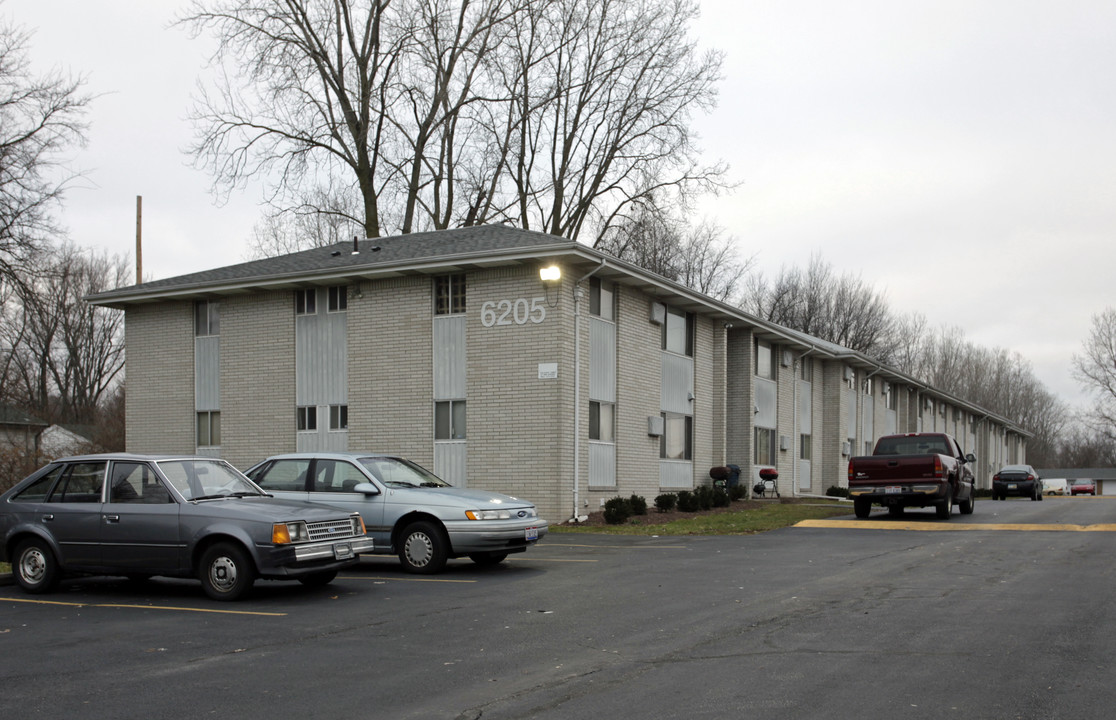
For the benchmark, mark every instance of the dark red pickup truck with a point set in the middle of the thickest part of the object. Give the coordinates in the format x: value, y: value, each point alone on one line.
x: 913, y: 470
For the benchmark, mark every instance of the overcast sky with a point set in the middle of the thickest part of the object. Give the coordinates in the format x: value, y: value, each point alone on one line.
x: 958, y: 154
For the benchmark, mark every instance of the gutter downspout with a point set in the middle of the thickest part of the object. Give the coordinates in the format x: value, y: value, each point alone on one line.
x: 574, y: 517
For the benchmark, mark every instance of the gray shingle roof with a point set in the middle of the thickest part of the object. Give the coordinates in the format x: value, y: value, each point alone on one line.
x: 441, y: 247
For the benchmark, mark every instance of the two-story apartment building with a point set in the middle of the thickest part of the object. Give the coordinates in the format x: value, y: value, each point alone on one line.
x: 513, y: 361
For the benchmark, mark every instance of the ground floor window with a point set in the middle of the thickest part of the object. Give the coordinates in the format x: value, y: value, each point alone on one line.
x: 338, y: 417
x: 677, y: 441
x: 209, y: 428
x: 765, y: 446
x: 602, y: 421
x: 306, y: 418
x: 805, y: 447
x: 449, y: 420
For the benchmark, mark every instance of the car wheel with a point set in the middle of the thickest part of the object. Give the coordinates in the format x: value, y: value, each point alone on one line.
x: 226, y: 571
x: 35, y: 568
x: 1040, y: 497
x: 862, y: 508
x: 422, y: 548
x: 967, y: 506
x: 488, y: 558
x: 944, y: 508
x: 318, y: 579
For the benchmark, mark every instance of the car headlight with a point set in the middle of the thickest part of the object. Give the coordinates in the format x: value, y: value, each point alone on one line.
x: 292, y: 532
x: 488, y: 514
x: 358, y: 525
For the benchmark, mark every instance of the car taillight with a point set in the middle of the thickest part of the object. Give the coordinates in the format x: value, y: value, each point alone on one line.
x: 996, y: 477
x: 939, y: 470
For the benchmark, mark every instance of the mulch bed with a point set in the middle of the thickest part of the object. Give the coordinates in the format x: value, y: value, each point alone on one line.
x: 654, y: 517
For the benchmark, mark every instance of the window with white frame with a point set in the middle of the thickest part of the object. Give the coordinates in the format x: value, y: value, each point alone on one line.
x: 868, y: 387
x: 678, y: 332
x: 209, y: 428
x: 764, y: 446
x: 677, y: 441
x: 306, y: 301
x: 602, y: 299
x: 306, y: 418
x: 338, y: 299
x: 805, y: 447
x: 449, y: 295
x: 207, y: 318
x: 602, y: 421
x: 449, y: 420
x: 765, y: 360
x: 338, y: 417
x: 806, y: 369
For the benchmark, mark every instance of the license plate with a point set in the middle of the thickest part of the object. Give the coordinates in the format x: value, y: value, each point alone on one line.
x: 893, y: 489
x: 1012, y: 486
x: 342, y: 551
x: 531, y: 533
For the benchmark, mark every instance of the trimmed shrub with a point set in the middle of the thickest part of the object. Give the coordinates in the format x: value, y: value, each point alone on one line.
x: 638, y: 504
x: 617, y: 510
x: 704, y: 495
x: 738, y: 492
x: 721, y: 498
x: 665, y: 502
x: 835, y: 491
x: 687, y: 501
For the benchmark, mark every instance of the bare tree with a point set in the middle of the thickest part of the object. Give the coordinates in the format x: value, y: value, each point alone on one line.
x: 41, y: 117
x: 1095, y: 369
x: 65, y: 354
x: 557, y: 114
x: 699, y: 257
x: 842, y: 309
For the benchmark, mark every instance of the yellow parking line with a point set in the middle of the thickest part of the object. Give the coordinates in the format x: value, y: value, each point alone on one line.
x: 621, y: 547
x: 404, y: 579
x: 892, y: 525
x: 140, y: 607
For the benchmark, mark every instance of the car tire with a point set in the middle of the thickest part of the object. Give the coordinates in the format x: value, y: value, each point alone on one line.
x: 487, y: 559
x: 34, y: 567
x: 967, y: 506
x: 226, y: 572
x: 422, y: 548
x: 318, y: 579
x: 862, y: 508
x: 944, y: 509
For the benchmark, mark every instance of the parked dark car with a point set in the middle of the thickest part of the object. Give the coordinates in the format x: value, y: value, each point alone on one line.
x: 1083, y: 486
x: 1021, y: 480
x: 144, y: 515
x: 408, y: 510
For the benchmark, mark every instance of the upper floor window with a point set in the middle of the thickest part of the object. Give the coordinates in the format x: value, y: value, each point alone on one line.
x: 602, y: 299
x: 306, y: 301
x: 677, y: 441
x: 449, y: 294
x: 765, y: 360
x: 338, y: 298
x: 806, y: 369
x: 868, y: 386
x: 207, y: 318
x: 602, y: 423
x: 338, y: 417
x: 889, y: 396
x: 678, y: 332
x: 306, y: 418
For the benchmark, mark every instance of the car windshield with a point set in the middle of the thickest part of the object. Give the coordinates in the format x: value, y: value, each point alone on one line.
x: 207, y: 479
x: 396, y: 472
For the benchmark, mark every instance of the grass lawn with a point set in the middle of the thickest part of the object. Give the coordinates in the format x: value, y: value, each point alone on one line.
x: 742, y: 518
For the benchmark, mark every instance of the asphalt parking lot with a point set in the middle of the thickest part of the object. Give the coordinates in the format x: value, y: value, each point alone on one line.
x: 887, y: 619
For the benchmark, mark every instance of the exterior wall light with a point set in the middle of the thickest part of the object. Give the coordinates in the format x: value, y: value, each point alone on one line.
x: 550, y: 273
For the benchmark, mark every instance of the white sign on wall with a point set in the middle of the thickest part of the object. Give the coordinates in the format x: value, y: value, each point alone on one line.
x: 548, y: 371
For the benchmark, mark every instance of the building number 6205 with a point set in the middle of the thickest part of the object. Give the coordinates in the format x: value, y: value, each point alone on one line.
x: 513, y: 312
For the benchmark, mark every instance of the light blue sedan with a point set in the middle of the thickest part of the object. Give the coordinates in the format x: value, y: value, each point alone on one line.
x: 408, y: 510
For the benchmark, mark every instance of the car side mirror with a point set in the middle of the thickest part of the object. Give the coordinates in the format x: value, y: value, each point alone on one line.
x: 367, y: 489
x: 970, y: 458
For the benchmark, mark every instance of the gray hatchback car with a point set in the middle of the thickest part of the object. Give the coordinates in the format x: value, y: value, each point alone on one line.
x: 145, y: 515
x: 408, y: 510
